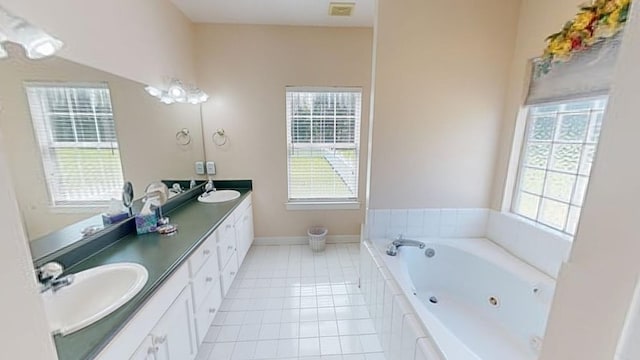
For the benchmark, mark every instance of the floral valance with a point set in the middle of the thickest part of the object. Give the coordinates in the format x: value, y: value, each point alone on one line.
x: 595, y: 22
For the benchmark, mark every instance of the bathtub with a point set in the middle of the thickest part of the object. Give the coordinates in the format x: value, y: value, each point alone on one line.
x: 475, y: 300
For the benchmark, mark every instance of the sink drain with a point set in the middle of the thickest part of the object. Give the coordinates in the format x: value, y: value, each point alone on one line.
x: 433, y: 300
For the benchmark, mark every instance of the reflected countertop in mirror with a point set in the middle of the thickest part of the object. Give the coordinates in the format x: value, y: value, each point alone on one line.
x: 73, y: 134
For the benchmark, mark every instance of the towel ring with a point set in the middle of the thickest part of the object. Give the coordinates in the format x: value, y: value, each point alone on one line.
x: 220, y: 138
x: 183, y: 137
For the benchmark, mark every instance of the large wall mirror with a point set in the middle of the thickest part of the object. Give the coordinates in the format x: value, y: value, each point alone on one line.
x: 73, y: 134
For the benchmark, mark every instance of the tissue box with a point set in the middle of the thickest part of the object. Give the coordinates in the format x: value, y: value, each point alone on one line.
x: 146, y: 223
x: 112, y: 219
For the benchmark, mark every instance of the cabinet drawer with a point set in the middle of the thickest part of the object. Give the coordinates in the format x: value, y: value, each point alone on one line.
x: 228, y: 274
x: 204, y: 281
x: 202, y: 254
x: 208, y: 310
x: 226, y: 243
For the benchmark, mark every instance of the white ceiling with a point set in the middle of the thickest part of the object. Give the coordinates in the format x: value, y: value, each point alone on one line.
x: 277, y: 12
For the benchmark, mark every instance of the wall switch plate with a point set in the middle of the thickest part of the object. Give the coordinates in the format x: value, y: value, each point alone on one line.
x: 211, y: 168
x: 200, y: 167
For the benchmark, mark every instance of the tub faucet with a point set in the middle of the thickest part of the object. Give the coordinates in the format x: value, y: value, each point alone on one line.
x: 392, y: 250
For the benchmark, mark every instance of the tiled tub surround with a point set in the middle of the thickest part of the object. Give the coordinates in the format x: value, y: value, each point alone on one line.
x: 290, y: 303
x: 541, y: 247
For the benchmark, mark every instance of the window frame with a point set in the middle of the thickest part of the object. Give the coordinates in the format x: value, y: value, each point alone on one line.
x: 517, y: 165
x: 327, y: 203
x: 47, y: 143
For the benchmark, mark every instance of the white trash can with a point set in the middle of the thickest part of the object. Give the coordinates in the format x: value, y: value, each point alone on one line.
x: 317, y: 238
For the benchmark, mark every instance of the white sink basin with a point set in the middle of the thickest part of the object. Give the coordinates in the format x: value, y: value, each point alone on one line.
x: 219, y: 196
x: 94, y: 294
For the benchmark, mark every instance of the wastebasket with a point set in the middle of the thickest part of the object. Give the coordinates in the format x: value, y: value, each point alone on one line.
x: 317, y: 238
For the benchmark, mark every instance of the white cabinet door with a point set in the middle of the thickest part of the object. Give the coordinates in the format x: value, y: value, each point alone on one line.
x: 146, y: 351
x: 226, y: 242
x: 208, y: 310
x: 174, y: 335
x: 244, y: 233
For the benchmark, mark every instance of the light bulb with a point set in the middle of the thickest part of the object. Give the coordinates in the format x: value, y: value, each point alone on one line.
x: 203, y: 96
x: 197, y: 97
x: 177, y: 91
x: 167, y: 99
x: 154, y: 91
x: 43, y: 47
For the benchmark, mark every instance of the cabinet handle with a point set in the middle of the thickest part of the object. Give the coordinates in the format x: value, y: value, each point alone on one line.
x: 229, y: 226
x: 206, y: 251
x: 230, y: 247
x: 212, y: 310
x: 153, y: 350
x: 209, y: 279
x: 232, y: 273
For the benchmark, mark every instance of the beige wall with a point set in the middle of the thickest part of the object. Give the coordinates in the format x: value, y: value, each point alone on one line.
x: 245, y: 69
x: 145, y: 40
x: 26, y: 333
x: 596, y: 287
x: 146, y: 133
x: 538, y: 19
x: 440, y: 86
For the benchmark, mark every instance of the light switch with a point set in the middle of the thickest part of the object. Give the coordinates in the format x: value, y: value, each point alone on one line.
x: 211, y: 168
x: 200, y: 167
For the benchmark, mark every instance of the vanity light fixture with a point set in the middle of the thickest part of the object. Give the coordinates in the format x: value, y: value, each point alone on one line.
x: 177, y: 92
x: 36, y: 42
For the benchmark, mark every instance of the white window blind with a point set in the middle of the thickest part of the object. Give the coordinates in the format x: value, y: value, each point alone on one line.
x: 75, y: 129
x: 559, y: 148
x: 588, y: 73
x: 323, y: 143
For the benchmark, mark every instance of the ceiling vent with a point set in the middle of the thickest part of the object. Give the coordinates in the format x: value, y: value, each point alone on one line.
x: 341, y: 9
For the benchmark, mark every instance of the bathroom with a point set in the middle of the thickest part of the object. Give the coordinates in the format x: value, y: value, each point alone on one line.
x: 443, y: 101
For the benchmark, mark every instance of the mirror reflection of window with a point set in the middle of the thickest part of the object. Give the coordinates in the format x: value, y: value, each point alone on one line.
x: 76, y: 133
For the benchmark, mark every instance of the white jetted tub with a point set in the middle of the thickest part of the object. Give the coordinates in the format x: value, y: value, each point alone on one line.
x: 476, y: 301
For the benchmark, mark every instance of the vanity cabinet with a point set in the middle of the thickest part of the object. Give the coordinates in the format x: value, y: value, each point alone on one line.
x: 174, y: 336
x: 205, y: 281
x: 174, y: 321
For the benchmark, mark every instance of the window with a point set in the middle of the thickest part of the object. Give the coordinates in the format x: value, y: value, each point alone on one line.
x: 559, y: 148
x: 323, y: 138
x: 75, y: 130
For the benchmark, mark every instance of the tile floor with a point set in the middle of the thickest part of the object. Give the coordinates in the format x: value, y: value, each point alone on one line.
x: 290, y: 303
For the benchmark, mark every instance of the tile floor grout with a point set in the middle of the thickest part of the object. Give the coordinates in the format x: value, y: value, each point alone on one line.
x: 290, y: 303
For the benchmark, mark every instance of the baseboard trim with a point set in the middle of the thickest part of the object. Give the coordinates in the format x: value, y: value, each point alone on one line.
x: 303, y: 240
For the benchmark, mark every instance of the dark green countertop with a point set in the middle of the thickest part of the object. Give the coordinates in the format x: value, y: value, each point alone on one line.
x: 161, y: 255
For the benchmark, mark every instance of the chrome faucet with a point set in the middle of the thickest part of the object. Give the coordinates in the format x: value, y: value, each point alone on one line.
x: 392, y: 250
x: 49, y: 277
x: 209, y: 188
